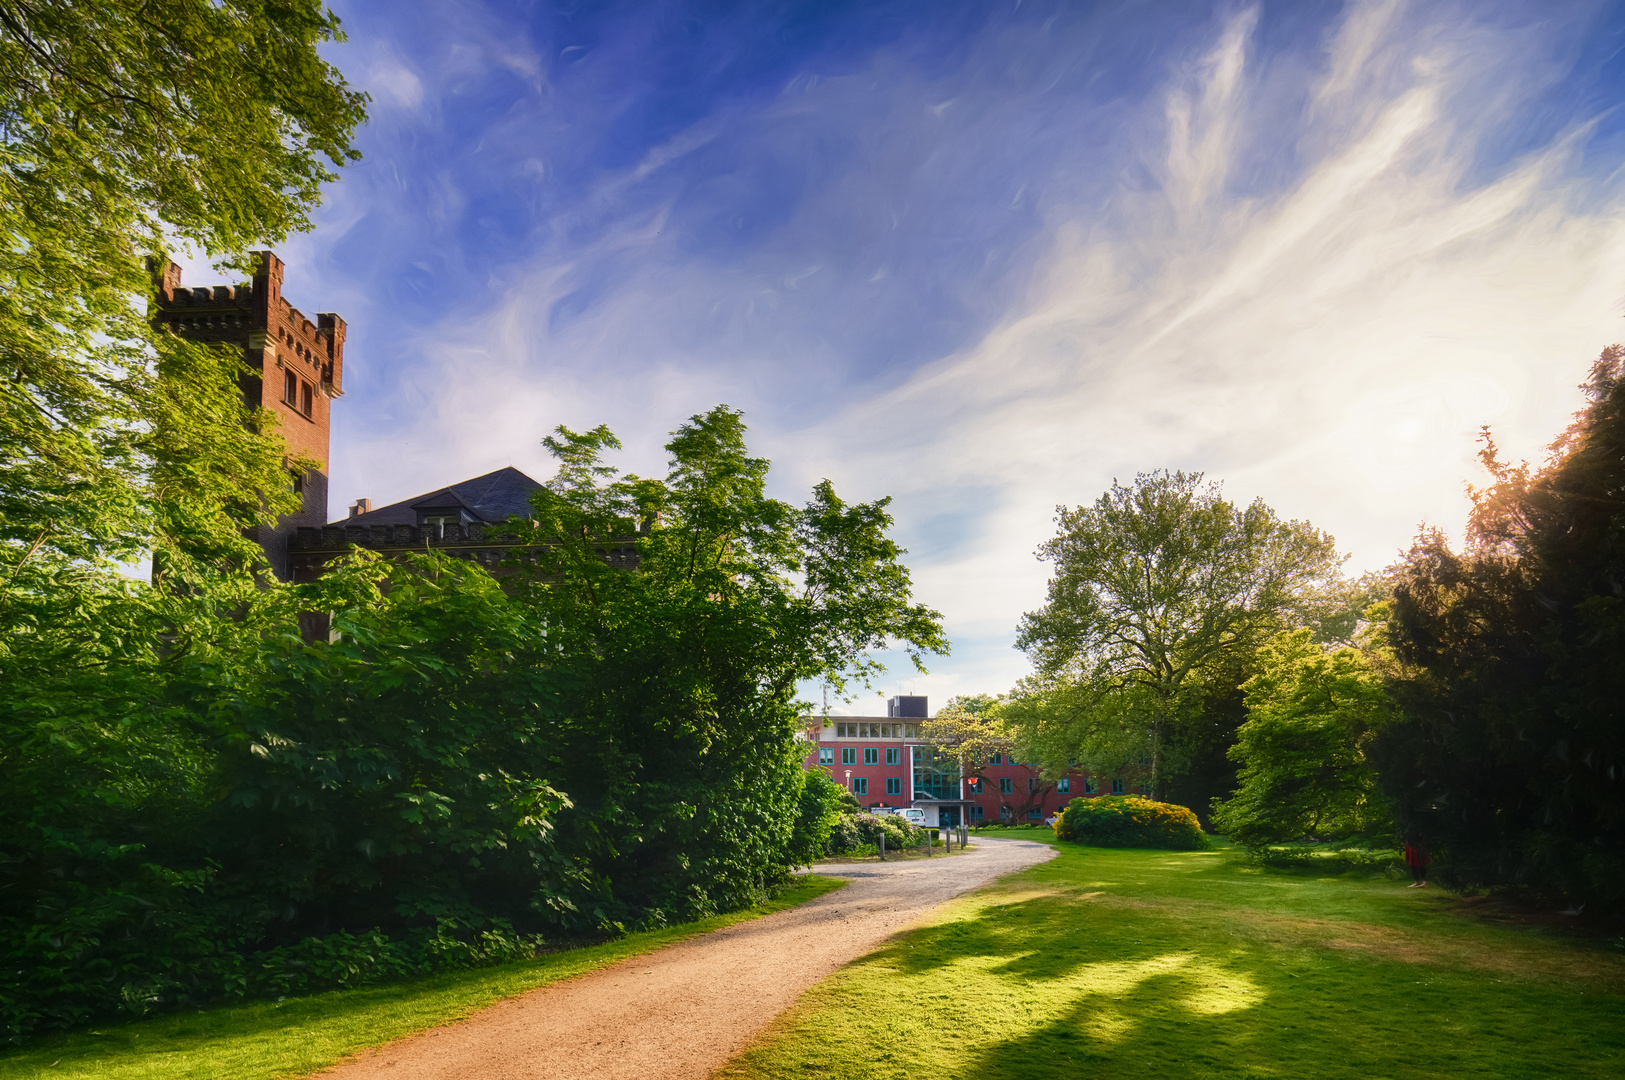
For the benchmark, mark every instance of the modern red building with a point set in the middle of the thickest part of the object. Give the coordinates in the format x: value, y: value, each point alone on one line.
x: 884, y: 762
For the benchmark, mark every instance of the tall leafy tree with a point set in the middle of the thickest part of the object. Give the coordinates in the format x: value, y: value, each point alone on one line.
x: 1153, y: 583
x: 965, y: 734
x: 1511, y: 756
x: 130, y: 125
x: 681, y: 614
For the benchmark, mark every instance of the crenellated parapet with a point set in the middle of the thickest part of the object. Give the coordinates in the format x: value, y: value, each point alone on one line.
x: 256, y: 315
x: 295, y: 365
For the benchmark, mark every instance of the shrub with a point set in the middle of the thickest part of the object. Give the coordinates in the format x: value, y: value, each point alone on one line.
x: 852, y: 832
x: 67, y: 985
x: 1327, y: 858
x: 843, y: 835
x: 1130, y: 821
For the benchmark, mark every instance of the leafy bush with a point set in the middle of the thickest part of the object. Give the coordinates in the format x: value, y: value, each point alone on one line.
x: 139, y: 975
x: 584, y: 748
x: 1131, y: 821
x: 1326, y: 858
x: 851, y: 832
x: 843, y: 835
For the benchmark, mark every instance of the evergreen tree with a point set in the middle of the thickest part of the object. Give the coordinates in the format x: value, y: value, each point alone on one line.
x: 1510, y: 758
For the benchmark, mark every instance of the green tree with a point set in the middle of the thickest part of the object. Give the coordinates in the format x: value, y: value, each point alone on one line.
x: 609, y: 740
x: 1154, y: 583
x: 131, y: 125
x: 681, y: 614
x: 1310, y: 713
x: 1510, y: 757
x: 969, y: 731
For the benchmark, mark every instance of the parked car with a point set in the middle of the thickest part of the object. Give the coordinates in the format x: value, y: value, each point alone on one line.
x: 913, y: 815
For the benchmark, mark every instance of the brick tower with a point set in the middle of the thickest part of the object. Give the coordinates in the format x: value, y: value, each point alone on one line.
x: 300, y: 366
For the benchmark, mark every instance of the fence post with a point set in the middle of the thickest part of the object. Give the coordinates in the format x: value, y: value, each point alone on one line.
x: 882, y: 845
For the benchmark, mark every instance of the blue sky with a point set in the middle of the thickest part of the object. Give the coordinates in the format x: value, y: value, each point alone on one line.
x: 983, y: 258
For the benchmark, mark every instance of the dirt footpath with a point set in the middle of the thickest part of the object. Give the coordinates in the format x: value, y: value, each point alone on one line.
x: 684, y: 1010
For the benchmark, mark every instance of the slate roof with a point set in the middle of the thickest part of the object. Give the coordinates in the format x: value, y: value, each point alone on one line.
x: 490, y: 498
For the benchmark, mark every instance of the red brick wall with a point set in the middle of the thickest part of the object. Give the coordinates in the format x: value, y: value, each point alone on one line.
x: 1047, y: 800
x: 276, y: 338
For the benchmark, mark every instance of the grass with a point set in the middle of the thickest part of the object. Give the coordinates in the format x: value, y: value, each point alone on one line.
x: 1117, y: 963
x: 261, y: 1040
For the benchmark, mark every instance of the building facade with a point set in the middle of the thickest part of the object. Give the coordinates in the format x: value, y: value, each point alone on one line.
x: 296, y: 365
x: 884, y: 762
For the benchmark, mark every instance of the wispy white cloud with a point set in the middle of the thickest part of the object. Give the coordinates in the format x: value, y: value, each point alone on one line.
x: 1329, y: 337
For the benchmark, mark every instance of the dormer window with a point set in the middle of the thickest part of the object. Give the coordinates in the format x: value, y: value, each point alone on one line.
x: 436, y: 524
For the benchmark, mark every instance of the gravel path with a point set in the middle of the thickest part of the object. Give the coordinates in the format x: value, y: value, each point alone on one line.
x: 682, y: 1011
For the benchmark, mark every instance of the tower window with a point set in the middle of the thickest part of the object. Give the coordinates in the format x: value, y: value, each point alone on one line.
x: 305, y: 398
x: 290, y: 389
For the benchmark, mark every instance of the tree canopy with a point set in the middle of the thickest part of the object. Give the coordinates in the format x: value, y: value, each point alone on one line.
x: 1310, y: 714
x: 131, y: 126
x: 1154, y: 584
x: 600, y: 741
x: 1510, y: 759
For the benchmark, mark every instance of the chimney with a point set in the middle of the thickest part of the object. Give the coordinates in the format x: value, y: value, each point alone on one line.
x: 362, y: 506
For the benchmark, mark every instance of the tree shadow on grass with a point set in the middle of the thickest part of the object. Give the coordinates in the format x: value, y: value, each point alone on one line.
x: 1147, y: 993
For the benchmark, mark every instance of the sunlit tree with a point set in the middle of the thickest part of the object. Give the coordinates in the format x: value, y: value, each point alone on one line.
x: 1153, y: 583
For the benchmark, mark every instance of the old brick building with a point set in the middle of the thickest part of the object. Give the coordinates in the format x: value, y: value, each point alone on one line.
x: 297, y: 365
x: 466, y: 520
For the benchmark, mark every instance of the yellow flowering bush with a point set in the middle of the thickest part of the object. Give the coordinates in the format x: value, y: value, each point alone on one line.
x: 1132, y: 822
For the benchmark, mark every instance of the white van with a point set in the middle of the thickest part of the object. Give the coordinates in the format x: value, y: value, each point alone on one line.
x: 913, y: 815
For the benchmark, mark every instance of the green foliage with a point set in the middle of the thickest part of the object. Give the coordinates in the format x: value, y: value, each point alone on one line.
x: 1304, y: 772
x: 852, y: 833
x: 681, y: 674
x: 1510, y: 758
x: 1153, y: 585
x: 129, y: 126
x: 1329, y: 858
x: 301, y: 1035
x: 595, y: 747
x: 1130, y: 821
x: 822, y: 805
x: 152, y: 972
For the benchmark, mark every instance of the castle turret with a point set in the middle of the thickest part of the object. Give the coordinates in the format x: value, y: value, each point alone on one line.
x: 299, y: 366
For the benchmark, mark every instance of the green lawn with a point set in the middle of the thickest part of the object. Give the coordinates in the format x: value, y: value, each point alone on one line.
x: 261, y: 1040
x: 1106, y: 963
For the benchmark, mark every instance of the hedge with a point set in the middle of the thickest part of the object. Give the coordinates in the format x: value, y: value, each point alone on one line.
x: 1129, y: 821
